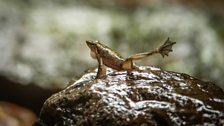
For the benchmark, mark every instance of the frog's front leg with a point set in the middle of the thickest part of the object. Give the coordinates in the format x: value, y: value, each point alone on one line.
x: 101, y: 73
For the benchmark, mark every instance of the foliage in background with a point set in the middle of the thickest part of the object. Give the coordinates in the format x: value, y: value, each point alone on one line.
x: 44, y: 42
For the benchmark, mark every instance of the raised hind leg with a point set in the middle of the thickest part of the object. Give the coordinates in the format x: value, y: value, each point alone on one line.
x: 163, y: 50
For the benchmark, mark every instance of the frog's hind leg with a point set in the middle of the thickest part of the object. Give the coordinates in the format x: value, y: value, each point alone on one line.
x: 128, y: 63
x: 166, y: 48
x: 163, y: 50
x: 101, y: 73
x: 129, y: 66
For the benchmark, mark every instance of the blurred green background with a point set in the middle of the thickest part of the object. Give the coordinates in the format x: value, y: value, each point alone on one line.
x: 43, y: 42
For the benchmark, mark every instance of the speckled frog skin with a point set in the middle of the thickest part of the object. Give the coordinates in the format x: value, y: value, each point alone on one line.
x: 107, y: 57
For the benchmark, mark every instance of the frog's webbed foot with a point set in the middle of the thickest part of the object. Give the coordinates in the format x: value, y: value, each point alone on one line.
x: 166, y: 47
x: 102, y: 70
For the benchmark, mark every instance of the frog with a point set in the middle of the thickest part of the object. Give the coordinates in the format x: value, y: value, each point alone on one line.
x: 107, y: 57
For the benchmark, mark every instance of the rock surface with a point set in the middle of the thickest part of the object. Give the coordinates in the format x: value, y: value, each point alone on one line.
x: 148, y: 97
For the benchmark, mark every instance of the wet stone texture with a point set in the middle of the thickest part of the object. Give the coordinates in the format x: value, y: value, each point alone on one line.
x: 147, y: 97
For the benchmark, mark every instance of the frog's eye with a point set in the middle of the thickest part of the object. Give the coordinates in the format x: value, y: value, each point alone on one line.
x: 90, y: 43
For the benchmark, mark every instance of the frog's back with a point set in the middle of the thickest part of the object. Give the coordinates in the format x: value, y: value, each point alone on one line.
x: 110, y: 58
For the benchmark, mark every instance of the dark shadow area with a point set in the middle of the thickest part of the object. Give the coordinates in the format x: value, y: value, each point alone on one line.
x: 29, y: 96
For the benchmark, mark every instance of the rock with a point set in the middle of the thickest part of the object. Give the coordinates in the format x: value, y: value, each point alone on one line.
x: 147, y: 97
x: 14, y: 115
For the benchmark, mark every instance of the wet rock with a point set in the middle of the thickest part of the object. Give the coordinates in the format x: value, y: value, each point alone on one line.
x: 147, y: 97
x: 14, y: 115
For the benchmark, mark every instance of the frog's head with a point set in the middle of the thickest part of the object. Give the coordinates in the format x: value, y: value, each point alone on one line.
x: 93, y: 47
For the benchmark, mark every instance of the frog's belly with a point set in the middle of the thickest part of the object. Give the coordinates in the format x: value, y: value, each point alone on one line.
x: 114, y: 64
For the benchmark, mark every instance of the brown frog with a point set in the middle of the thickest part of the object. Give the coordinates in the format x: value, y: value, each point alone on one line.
x: 107, y: 57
